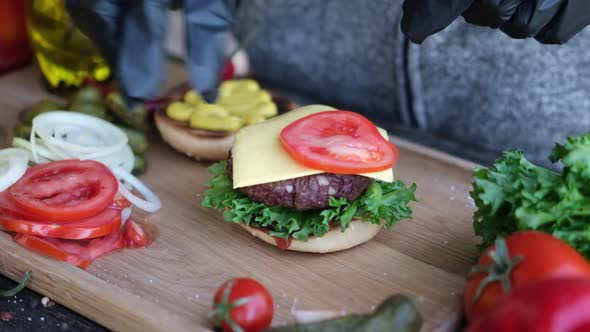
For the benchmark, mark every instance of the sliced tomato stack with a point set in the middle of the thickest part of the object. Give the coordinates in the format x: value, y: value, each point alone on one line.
x: 69, y: 210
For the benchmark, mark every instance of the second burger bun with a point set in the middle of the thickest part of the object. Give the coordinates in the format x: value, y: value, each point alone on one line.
x: 358, y: 232
x: 195, y: 143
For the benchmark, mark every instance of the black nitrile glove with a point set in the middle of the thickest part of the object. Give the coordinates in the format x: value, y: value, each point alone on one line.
x: 130, y: 34
x: 548, y: 21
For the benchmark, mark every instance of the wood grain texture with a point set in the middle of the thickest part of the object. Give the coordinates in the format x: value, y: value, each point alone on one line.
x: 169, y: 285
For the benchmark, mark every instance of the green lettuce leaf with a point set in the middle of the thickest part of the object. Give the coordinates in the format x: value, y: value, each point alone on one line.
x: 514, y: 194
x: 383, y: 202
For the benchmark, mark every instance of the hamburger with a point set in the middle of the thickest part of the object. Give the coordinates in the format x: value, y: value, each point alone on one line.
x: 205, y: 131
x: 313, y: 180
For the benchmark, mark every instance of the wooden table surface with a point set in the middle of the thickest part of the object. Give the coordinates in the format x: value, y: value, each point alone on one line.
x: 427, y: 256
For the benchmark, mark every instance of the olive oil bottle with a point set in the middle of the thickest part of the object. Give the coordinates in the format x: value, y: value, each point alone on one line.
x: 65, y: 55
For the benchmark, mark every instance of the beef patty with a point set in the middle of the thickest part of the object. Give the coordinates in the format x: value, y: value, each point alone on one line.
x: 308, y: 192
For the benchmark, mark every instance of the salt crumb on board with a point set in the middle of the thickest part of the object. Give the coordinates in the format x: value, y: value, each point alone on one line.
x: 294, y: 305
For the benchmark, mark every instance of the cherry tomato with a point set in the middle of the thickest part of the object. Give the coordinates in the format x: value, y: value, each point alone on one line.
x: 66, y: 190
x: 102, y: 224
x: 551, y: 305
x: 338, y: 142
x: 135, y: 236
x: 518, y: 260
x: 77, y: 253
x: 243, y: 303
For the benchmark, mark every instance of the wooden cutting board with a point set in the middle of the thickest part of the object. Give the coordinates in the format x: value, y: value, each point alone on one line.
x: 169, y: 286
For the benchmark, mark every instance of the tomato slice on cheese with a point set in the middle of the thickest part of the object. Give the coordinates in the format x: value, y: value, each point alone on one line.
x: 338, y: 142
x: 66, y: 190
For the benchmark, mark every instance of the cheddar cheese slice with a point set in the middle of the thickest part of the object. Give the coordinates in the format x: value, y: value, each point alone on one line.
x: 259, y: 157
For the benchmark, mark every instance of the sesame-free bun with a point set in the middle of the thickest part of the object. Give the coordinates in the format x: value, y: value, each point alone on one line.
x: 195, y: 143
x: 358, y: 232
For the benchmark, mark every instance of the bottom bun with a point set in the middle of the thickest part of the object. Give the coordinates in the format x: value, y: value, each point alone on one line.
x: 358, y: 232
x: 188, y: 141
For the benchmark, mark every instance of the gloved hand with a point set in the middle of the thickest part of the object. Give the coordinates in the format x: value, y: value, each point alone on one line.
x: 548, y: 21
x: 131, y: 36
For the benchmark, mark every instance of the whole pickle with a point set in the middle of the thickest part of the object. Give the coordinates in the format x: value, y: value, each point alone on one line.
x: 138, y: 141
x: 136, y: 117
x: 87, y: 94
x: 139, y: 165
x: 89, y: 108
x: 22, y: 130
x: 43, y: 106
x: 398, y: 313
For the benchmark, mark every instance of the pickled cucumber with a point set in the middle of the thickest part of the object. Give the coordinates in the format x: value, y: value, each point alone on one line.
x: 136, y: 117
x: 266, y: 109
x: 87, y: 94
x: 228, y: 87
x: 240, y: 102
x: 43, y: 106
x: 250, y: 119
x: 212, y: 109
x: 179, y: 111
x: 138, y: 141
x: 244, y: 97
x: 204, y: 120
x: 22, y: 130
x: 192, y: 97
x: 139, y: 165
x: 398, y: 313
x: 90, y: 108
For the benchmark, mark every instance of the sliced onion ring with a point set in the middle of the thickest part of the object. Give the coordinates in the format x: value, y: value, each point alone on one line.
x: 150, y: 202
x: 18, y: 160
x: 43, y: 152
x: 76, y: 135
x: 125, y: 214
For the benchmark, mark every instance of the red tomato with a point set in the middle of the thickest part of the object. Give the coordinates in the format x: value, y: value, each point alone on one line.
x: 65, y: 190
x: 102, y: 224
x: 338, y: 142
x: 8, y: 206
x: 551, y: 305
x: 135, y: 236
x: 228, y: 71
x: 78, y: 253
x: 243, y: 303
x: 120, y: 202
x: 531, y: 256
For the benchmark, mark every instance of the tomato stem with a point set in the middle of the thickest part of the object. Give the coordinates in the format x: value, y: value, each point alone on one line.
x: 221, y: 312
x: 499, y: 270
x: 22, y: 284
